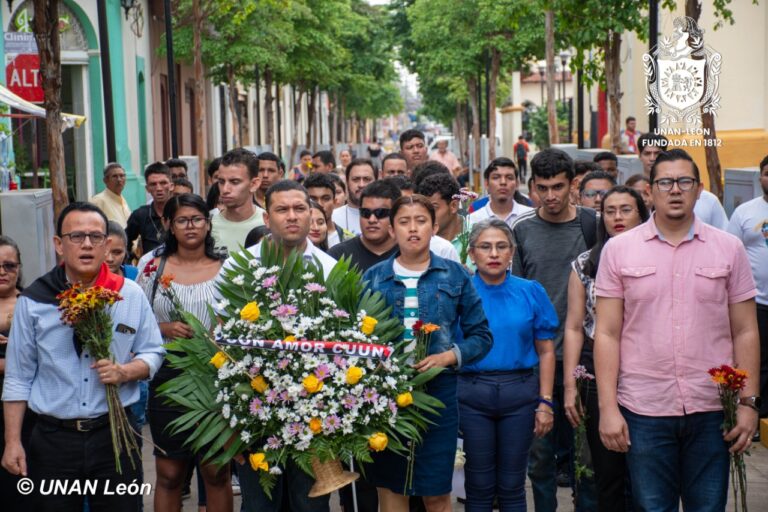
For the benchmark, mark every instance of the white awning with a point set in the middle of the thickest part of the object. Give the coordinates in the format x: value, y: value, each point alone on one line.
x: 14, y: 101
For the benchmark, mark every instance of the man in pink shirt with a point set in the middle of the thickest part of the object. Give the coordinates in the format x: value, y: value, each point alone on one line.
x: 675, y: 297
x: 447, y: 158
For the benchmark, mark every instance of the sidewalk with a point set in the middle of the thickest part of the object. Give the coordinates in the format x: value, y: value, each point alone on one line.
x: 757, y: 478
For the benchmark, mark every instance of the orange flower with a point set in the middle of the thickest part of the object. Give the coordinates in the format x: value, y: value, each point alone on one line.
x: 166, y: 280
x: 727, y: 377
x: 429, y: 328
x: 315, y: 425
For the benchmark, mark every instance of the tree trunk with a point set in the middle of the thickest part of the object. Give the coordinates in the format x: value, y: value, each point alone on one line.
x: 612, y: 52
x: 714, y: 170
x: 269, y: 105
x: 332, y: 104
x: 345, y: 127
x: 492, y: 86
x: 311, y: 106
x: 295, y: 127
x: 473, y: 87
x: 234, y: 106
x: 46, y: 27
x: 549, y: 30
x: 200, y: 92
x: 461, y: 130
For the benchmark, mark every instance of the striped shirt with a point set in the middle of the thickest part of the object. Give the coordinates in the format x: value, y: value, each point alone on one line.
x: 410, y: 279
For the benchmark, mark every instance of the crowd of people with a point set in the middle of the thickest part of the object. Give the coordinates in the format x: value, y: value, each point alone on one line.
x: 641, y: 283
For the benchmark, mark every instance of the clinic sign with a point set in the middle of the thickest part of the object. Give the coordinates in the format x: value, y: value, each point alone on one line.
x: 22, y: 66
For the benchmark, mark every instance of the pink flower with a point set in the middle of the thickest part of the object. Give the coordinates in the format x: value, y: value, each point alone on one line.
x: 270, y: 282
x: 581, y: 373
x: 340, y: 313
x: 285, y: 310
x: 322, y: 372
x: 314, y: 288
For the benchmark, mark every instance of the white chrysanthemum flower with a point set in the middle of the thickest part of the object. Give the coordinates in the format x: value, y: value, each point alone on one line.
x: 275, y: 470
x: 222, y: 304
x: 238, y: 280
x: 233, y: 421
x: 245, y: 436
x: 226, y: 411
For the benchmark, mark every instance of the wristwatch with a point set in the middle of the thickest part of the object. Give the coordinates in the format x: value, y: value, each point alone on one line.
x: 754, y: 402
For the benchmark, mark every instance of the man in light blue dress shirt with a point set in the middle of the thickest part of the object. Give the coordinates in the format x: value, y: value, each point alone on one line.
x: 50, y: 372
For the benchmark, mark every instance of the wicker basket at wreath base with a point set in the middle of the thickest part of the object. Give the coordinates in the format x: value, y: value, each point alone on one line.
x: 329, y: 476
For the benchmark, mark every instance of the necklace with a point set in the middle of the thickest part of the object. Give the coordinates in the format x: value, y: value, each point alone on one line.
x: 158, y: 230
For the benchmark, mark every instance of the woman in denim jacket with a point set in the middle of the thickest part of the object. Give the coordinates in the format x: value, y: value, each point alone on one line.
x: 422, y: 286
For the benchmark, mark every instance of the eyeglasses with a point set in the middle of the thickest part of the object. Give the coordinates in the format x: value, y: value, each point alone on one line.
x: 197, y: 221
x: 9, y: 267
x: 589, y: 194
x: 488, y: 248
x: 684, y: 184
x: 625, y: 211
x: 379, y: 213
x: 78, y: 237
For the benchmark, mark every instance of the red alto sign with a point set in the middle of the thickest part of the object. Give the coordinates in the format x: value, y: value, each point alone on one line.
x: 22, y: 76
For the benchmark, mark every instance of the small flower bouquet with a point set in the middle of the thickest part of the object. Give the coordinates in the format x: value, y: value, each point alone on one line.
x: 581, y: 469
x: 177, y: 310
x: 465, y: 198
x: 299, y: 367
x: 86, y: 311
x: 729, y: 382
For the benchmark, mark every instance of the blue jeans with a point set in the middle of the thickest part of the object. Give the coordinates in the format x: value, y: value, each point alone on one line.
x: 542, y: 460
x: 496, y: 414
x: 678, y: 457
x: 290, y: 492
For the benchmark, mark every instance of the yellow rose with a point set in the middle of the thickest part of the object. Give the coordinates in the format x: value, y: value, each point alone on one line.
x: 258, y: 461
x: 315, y: 425
x: 354, y: 374
x: 259, y: 384
x: 404, y: 399
x: 290, y: 338
x: 369, y: 323
x: 312, y: 384
x: 218, y: 359
x: 250, y: 312
x: 378, y: 441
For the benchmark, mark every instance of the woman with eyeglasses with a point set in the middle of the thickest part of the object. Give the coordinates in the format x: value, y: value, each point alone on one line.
x: 10, y: 288
x: 189, y: 258
x: 503, y: 401
x: 622, y: 209
x: 318, y: 227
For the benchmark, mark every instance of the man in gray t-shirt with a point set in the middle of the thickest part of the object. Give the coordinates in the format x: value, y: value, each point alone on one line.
x: 547, y: 240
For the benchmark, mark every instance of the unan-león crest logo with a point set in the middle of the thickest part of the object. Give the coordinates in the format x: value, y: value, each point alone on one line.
x: 682, y: 75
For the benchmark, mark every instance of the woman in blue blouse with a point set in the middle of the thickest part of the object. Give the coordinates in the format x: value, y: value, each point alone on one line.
x: 503, y: 402
x: 419, y: 285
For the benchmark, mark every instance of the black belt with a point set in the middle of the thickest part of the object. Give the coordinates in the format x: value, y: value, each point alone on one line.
x: 80, y: 425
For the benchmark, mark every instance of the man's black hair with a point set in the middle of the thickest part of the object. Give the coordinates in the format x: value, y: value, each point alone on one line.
x: 213, y: 166
x: 410, y: 134
x: 241, y: 156
x: 176, y: 162
x: 401, y: 182
x: 183, y: 182
x: 674, y: 155
x: 596, y: 175
x: 502, y: 161
x: 320, y: 180
x: 337, y: 180
x: 110, y: 167
x: 427, y: 169
x: 284, y: 186
x: 652, y: 139
x: 630, y: 118
x: 79, y: 206
x: 550, y: 162
x: 268, y: 155
x: 636, y: 178
x: 360, y: 162
x: 605, y: 155
x: 326, y: 157
x: 392, y: 156
x: 383, y: 189
x: 304, y: 152
x: 156, y: 168
x: 582, y: 167
x: 763, y: 163
x: 443, y: 184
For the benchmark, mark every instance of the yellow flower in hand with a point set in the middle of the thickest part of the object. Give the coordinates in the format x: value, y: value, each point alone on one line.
x: 218, y: 359
x: 354, y: 374
x: 404, y: 399
x: 378, y: 441
x: 312, y: 384
x: 250, y: 312
x: 315, y: 425
x: 259, y: 384
x: 258, y: 461
x: 368, y: 325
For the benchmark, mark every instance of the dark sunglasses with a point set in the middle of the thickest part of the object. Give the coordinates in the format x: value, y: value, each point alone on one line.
x: 9, y: 267
x: 379, y: 213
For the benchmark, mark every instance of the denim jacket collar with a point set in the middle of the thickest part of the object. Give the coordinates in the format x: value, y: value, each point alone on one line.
x: 435, y: 263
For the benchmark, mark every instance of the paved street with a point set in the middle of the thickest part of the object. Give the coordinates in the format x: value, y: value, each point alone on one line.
x: 757, y: 465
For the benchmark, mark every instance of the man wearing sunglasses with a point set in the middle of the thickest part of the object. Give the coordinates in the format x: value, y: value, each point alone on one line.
x: 593, y: 188
x: 675, y: 297
x: 51, y: 371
